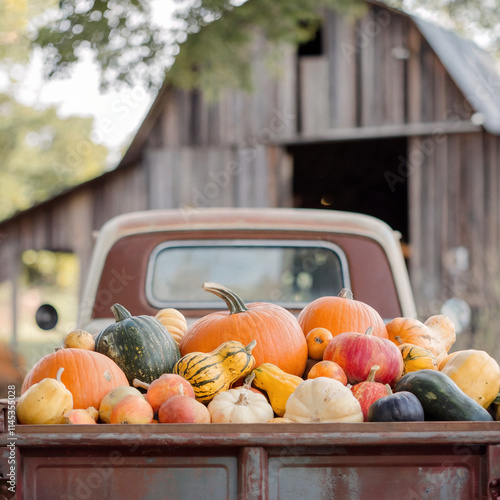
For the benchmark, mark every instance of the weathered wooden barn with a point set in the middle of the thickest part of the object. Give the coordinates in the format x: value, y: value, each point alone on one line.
x: 387, y: 115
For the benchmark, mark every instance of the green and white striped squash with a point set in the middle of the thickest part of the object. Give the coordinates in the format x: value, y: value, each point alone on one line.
x: 140, y: 345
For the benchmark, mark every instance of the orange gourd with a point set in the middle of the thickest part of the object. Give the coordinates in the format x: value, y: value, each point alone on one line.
x: 436, y: 335
x: 88, y: 375
x: 341, y: 314
x: 280, y: 339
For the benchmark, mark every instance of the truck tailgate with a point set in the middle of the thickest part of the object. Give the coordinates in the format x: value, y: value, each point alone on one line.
x: 435, y: 460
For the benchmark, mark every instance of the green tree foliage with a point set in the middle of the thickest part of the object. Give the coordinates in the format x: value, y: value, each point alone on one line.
x: 131, y: 48
x: 42, y: 154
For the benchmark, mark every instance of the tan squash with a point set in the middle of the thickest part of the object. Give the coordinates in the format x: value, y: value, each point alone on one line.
x: 79, y: 339
x: 437, y: 334
x: 323, y: 400
x: 45, y: 402
x: 476, y: 373
x: 174, y: 321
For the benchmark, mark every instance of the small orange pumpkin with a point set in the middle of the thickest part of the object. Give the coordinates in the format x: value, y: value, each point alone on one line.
x: 317, y: 340
x: 88, y: 375
x: 280, y: 339
x: 341, y: 314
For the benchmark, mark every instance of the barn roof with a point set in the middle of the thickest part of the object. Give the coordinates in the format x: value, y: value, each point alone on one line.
x: 473, y: 70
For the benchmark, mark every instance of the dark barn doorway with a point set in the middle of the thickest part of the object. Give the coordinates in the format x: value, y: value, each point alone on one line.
x: 365, y: 176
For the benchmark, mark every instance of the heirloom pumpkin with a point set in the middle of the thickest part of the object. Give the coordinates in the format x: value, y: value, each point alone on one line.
x: 323, y: 400
x: 280, y: 339
x: 214, y: 372
x: 240, y: 406
x: 476, y: 373
x: 437, y: 334
x: 88, y: 375
x: 341, y: 314
x: 140, y: 345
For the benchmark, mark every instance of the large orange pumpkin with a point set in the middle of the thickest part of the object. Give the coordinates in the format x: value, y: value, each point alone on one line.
x: 341, y: 314
x: 88, y: 375
x: 280, y: 340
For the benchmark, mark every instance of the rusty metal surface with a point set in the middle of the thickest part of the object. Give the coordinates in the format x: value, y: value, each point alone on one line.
x: 224, y: 435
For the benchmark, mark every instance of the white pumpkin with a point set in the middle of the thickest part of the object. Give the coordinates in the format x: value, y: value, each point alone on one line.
x: 174, y: 321
x: 323, y: 399
x: 240, y: 405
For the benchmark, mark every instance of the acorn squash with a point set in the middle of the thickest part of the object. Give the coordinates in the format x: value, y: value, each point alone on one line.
x: 140, y: 345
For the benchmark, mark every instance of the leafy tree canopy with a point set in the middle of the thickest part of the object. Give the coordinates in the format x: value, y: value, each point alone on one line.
x: 131, y: 48
x: 42, y: 154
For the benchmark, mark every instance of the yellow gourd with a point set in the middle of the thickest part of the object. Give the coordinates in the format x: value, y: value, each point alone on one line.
x: 416, y: 358
x: 476, y: 373
x: 215, y: 372
x: 277, y: 384
x: 45, y: 402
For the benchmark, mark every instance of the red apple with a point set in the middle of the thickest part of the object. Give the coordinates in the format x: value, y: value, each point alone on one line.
x: 183, y: 410
x: 132, y: 410
x: 164, y: 387
x: 356, y: 353
x: 368, y: 392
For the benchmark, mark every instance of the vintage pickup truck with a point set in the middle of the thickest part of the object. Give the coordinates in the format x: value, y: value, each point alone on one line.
x: 154, y: 259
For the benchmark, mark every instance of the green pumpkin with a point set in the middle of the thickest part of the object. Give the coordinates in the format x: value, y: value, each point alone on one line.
x: 140, y: 345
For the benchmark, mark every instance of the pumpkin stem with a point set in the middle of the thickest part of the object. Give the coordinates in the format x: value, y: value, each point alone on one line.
x: 243, y: 399
x: 119, y: 312
x: 139, y: 383
x: 345, y: 293
x: 233, y: 302
x: 59, y: 373
x: 371, y: 375
x: 249, y: 347
x: 388, y: 389
x: 398, y: 338
x: 369, y: 331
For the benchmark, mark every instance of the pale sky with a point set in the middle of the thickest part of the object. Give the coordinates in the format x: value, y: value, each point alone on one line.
x: 118, y: 114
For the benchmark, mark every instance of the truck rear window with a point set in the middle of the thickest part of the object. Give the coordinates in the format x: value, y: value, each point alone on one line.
x: 288, y: 273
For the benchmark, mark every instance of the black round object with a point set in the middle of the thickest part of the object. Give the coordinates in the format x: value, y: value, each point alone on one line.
x: 46, y: 317
x: 398, y: 407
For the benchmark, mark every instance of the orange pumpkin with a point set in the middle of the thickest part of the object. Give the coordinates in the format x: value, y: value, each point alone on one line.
x: 88, y: 375
x: 280, y: 339
x: 317, y: 340
x: 341, y: 314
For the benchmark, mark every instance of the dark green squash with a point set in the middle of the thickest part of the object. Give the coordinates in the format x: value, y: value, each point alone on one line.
x: 400, y: 407
x: 140, y: 345
x: 441, y: 398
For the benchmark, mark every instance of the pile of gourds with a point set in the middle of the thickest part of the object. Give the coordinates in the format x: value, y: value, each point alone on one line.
x: 336, y: 362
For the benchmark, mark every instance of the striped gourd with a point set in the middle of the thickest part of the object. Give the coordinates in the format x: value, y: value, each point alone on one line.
x: 416, y: 358
x: 140, y: 345
x: 214, y: 372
